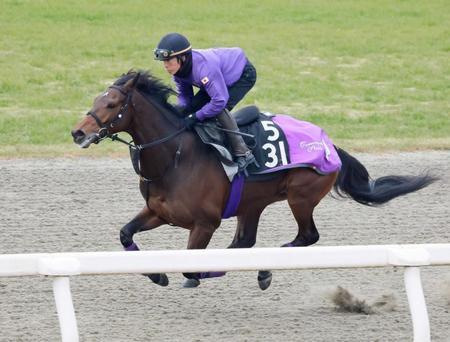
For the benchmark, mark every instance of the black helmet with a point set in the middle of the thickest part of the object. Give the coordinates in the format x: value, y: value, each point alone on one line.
x: 171, y: 45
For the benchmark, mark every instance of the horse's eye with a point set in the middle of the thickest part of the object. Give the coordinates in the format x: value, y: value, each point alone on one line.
x: 110, y: 105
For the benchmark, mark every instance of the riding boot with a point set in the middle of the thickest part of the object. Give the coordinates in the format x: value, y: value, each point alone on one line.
x: 244, y: 156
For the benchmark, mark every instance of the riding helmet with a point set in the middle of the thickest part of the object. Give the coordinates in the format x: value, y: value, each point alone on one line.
x: 171, y: 45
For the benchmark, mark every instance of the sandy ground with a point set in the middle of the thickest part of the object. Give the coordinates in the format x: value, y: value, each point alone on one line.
x: 68, y: 205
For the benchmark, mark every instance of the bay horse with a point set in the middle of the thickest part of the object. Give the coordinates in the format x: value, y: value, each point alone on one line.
x: 184, y: 185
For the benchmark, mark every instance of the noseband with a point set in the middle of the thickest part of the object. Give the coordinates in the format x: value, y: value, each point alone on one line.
x: 103, y: 132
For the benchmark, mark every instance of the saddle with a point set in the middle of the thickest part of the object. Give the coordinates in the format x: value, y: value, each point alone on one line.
x: 260, y: 133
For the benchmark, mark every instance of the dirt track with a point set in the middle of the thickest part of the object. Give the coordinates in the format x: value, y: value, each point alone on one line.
x: 80, y: 204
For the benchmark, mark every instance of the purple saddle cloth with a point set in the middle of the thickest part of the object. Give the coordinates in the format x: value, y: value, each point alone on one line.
x: 308, y: 146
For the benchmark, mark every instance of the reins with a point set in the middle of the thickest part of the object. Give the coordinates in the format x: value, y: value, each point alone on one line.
x: 135, y: 152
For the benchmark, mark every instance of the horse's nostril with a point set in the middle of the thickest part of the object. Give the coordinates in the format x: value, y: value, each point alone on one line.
x: 77, y: 135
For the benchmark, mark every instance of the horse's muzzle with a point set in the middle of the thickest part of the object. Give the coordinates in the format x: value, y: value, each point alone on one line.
x: 84, y: 140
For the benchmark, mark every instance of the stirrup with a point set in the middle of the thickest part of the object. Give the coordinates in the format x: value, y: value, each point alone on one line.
x: 245, y: 161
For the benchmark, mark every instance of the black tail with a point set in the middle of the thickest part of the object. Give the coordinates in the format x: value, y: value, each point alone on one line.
x: 354, y: 181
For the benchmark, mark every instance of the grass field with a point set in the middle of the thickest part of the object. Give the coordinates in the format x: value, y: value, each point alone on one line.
x: 374, y: 74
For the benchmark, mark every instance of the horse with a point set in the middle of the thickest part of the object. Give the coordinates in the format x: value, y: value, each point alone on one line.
x: 183, y: 183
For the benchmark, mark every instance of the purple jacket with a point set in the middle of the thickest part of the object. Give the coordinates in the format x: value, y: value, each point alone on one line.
x: 212, y: 70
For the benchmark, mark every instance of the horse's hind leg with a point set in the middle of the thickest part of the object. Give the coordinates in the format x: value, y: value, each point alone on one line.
x: 305, y: 190
x: 145, y: 220
x: 307, y: 231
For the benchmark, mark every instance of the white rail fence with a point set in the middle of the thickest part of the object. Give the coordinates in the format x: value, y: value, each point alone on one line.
x: 64, y: 265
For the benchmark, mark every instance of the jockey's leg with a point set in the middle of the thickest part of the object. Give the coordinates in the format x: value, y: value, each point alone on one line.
x: 236, y: 93
x: 241, y: 87
x: 241, y: 151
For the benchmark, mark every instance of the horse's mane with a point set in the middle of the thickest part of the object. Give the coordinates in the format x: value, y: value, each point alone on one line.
x: 151, y: 87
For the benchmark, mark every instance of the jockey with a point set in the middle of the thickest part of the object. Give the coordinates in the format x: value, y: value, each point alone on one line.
x: 223, y: 76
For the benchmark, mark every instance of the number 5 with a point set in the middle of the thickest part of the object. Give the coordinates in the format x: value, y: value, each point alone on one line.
x: 269, y: 126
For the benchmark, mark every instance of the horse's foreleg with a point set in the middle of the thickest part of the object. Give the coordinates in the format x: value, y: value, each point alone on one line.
x: 245, y: 237
x: 247, y: 226
x: 199, y: 238
x: 145, y: 220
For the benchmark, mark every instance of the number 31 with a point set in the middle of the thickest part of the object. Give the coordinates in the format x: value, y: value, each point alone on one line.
x: 272, y: 148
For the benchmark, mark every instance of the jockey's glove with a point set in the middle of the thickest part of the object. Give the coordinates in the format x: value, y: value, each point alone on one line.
x: 190, y: 120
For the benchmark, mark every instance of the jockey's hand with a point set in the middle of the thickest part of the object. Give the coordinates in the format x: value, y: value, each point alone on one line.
x: 190, y: 120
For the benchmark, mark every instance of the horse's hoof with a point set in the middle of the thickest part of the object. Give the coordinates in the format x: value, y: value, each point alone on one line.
x: 206, y: 275
x: 190, y: 283
x: 160, y: 279
x: 264, y: 279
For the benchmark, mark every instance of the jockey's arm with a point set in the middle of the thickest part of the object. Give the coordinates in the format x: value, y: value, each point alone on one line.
x: 214, y: 85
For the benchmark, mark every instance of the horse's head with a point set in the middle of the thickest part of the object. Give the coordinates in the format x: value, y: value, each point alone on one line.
x: 111, y: 113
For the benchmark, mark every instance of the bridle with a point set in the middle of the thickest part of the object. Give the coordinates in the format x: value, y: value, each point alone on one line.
x: 135, y: 149
x: 103, y: 131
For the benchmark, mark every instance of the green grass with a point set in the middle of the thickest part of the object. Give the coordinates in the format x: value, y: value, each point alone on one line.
x: 375, y: 75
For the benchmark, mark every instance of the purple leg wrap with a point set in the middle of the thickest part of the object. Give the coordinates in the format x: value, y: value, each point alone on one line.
x: 290, y: 244
x: 205, y: 275
x: 132, y: 247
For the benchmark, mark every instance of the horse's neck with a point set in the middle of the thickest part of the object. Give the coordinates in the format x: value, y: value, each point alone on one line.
x: 152, y: 122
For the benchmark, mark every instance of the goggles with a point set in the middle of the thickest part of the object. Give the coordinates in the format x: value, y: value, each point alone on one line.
x: 165, y: 54
x: 162, y: 54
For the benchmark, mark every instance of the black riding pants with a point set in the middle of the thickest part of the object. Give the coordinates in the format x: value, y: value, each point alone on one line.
x: 236, y: 91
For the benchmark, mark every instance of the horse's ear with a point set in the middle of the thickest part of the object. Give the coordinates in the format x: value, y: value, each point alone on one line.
x: 132, y: 82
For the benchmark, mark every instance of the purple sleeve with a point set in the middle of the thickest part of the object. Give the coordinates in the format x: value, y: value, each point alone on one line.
x: 185, y: 93
x: 214, y: 84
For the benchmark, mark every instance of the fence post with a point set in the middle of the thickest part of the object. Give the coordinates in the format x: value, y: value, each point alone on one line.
x: 65, y: 310
x: 417, y: 305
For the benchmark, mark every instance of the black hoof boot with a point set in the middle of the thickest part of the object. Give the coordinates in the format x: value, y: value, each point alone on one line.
x: 159, y: 278
x: 264, y: 279
x: 190, y: 283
